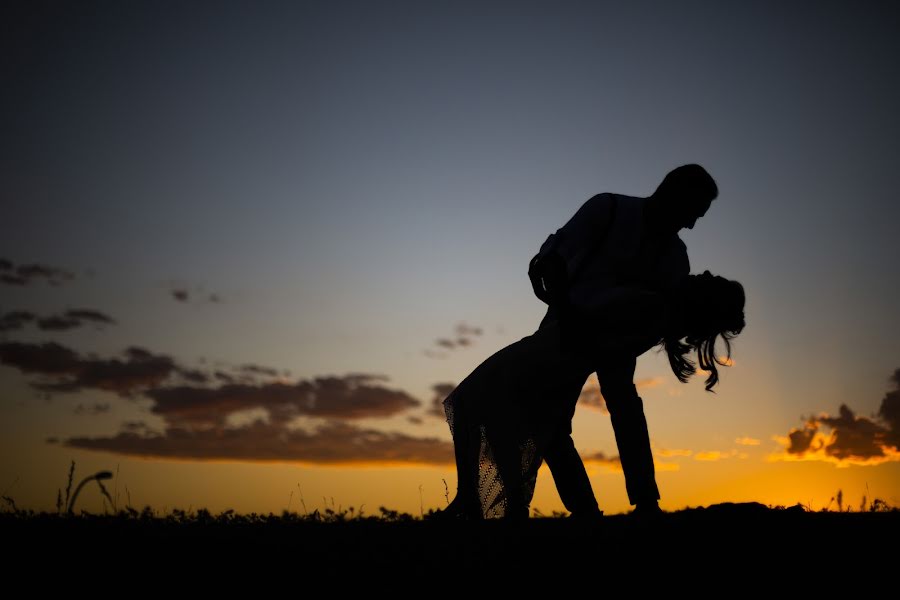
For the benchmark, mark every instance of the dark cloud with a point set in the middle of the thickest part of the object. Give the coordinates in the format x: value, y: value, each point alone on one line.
x: 11, y: 279
x: 96, y: 408
x: 193, y: 375
x: 139, y: 427
x: 66, y: 371
x: 441, y: 391
x: 29, y: 273
x: 58, y: 323
x: 468, y: 331
x: 194, y: 294
x: 71, y: 319
x: 464, y: 337
x: 601, y: 458
x: 15, y: 320
x: 252, y: 369
x: 852, y: 439
x: 197, y: 417
x: 86, y: 314
x: 223, y: 376
x: 354, y: 396
x: 415, y: 420
x: 890, y: 411
x: 48, y: 358
x: 801, y: 440
x: 330, y: 444
x: 591, y: 397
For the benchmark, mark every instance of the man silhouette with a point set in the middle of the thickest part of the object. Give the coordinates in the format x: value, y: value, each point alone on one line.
x: 616, y: 241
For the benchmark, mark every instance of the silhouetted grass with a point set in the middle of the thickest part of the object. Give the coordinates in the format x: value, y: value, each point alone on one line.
x: 336, y: 542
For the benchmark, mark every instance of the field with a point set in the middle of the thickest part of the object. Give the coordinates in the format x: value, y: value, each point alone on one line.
x: 726, y: 540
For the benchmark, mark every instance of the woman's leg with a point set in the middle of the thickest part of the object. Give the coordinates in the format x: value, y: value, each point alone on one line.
x: 569, y: 475
x: 466, y: 447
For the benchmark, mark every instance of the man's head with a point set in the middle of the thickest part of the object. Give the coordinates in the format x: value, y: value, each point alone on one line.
x: 684, y: 196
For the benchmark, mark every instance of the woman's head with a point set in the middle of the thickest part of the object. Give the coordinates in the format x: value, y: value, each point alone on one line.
x: 708, y: 307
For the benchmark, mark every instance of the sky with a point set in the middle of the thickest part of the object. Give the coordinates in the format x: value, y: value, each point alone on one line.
x: 247, y: 248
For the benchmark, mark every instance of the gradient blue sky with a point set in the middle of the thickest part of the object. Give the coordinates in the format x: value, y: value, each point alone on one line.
x: 354, y: 179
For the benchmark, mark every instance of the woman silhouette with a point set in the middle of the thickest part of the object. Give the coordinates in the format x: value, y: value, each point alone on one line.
x: 506, y: 415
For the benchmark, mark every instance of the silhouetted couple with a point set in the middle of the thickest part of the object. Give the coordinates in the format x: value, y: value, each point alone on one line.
x: 616, y: 281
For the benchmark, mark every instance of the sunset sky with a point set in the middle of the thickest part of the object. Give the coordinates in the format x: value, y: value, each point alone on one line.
x: 247, y: 248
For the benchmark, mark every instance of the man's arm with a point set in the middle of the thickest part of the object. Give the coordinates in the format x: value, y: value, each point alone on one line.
x: 562, y: 254
x: 584, y: 231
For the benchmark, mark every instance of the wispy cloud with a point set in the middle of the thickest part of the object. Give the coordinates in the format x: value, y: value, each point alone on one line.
x: 612, y: 462
x: 592, y: 398
x: 97, y: 408
x: 27, y: 274
x: 848, y: 439
x: 714, y: 455
x: 64, y: 370
x: 333, y: 443
x: 747, y: 441
x: 155, y: 376
x: 193, y: 294
x: 206, y: 419
x: 672, y: 452
x: 354, y: 396
x: 70, y: 319
x: 464, y: 335
x: 436, y: 406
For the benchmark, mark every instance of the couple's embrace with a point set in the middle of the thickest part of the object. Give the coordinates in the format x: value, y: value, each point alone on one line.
x: 616, y: 279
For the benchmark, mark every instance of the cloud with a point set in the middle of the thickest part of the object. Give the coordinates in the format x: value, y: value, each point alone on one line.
x: 852, y: 440
x: 96, y: 408
x: 747, y: 441
x: 591, y: 397
x: 668, y: 453
x: 157, y: 376
x: 57, y: 323
x: 600, y: 458
x: 205, y: 421
x: 614, y: 463
x: 333, y: 443
x: 436, y: 407
x: 714, y: 455
x: 64, y: 370
x: 464, y: 336
x: 252, y: 369
x: 26, y: 274
x: 194, y: 293
x: 354, y: 396
x: 889, y: 411
x: 87, y: 314
x: 16, y: 320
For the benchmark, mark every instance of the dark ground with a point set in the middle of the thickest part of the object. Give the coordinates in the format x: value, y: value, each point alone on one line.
x: 745, y: 546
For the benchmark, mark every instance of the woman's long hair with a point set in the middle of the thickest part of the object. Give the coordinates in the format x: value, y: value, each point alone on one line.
x: 710, y: 307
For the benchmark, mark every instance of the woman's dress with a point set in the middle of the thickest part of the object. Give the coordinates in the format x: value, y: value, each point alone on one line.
x: 505, y: 413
